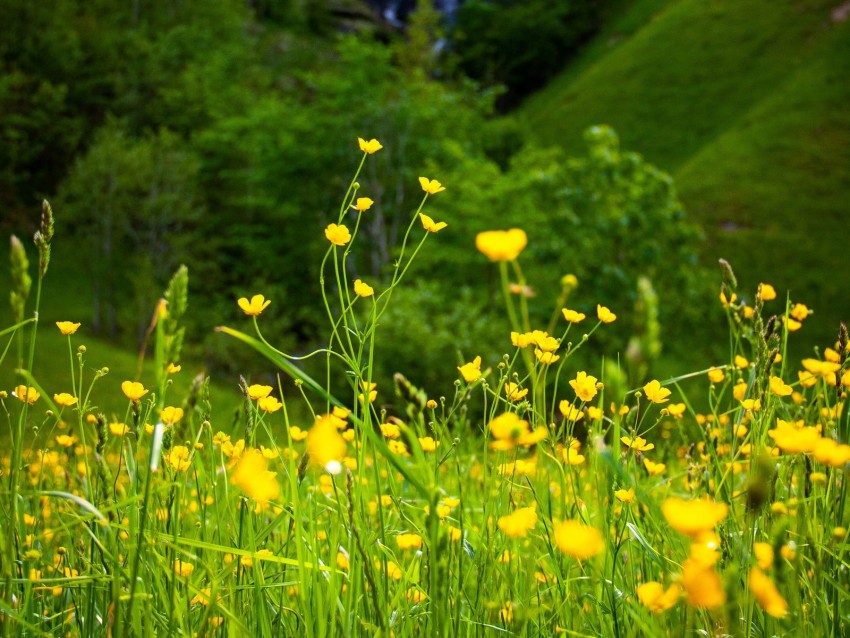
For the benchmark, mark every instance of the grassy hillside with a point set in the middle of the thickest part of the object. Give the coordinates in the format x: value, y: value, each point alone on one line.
x: 744, y: 102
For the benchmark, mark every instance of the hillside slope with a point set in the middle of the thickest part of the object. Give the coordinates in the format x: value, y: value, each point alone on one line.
x: 745, y: 103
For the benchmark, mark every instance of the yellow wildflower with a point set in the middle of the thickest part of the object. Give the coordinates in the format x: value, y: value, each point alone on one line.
x: 766, y: 593
x: 338, y: 235
x: 26, y: 394
x: 257, y: 391
x: 702, y: 585
x: 254, y: 307
x: 252, y: 477
x: 430, y: 225
x: 431, y: 186
x: 767, y: 292
x: 370, y: 147
x: 584, y: 386
x: 693, y: 517
x: 605, y: 315
x: 325, y: 445
x: 118, y: 429
x: 171, y: 415
x: 513, y: 392
x: 501, y: 245
x: 408, y: 541
x: 133, y: 390
x: 519, y: 523
x: 654, y: 469
x: 64, y: 399
x: 638, y: 443
x: 362, y: 289
x: 67, y: 327
x: 471, y: 371
x: 363, y: 204
x: 269, y: 404
x: 183, y: 569
x: 716, y: 375
x: 655, y: 393
x: 779, y: 387
x: 509, y: 430
x: 653, y: 596
x: 799, y: 312
x: 578, y: 540
x: 178, y: 458
x: 573, y: 316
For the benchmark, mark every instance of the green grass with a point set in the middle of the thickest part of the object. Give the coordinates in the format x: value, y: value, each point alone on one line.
x: 745, y: 104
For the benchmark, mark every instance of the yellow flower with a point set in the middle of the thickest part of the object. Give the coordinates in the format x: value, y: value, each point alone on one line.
x: 546, y: 357
x: 625, y: 496
x: 297, y: 434
x: 655, y: 393
x: 362, y: 289
x: 252, y: 477
x: 370, y: 147
x: 233, y: 450
x: 780, y: 388
x: 693, y: 517
x: 584, y: 386
x: 171, y: 415
x: 654, y: 469
x: 471, y: 371
x: 254, y: 307
x: 676, y: 410
x: 337, y: 234
x: 514, y: 393
x: 363, y: 204
x: 182, y: 569
x: 66, y: 441
x: 173, y: 368
x: 178, y: 458
x: 431, y: 186
x: 64, y: 399
x: 638, y: 443
x: 702, y: 585
x: 428, y: 444
x: 573, y: 316
x: 133, y: 390
x: 792, y: 324
x: 26, y: 394
x: 799, y: 312
x: 766, y: 593
x: 369, y: 393
x: 578, y: 540
x: 342, y: 561
x: 741, y: 362
x: 509, y: 430
x: 764, y: 554
x: 269, y: 404
x: 767, y: 292
x: 408, y: 541
x: 829, y: 452
x: 570, y: 412
x: 257, y: 392
x: 519, y: 523
x: 792, y: 439
x: 716, y: 375
x: 653, y: 596
x: 501, y: 245
x: 118, y: 429
x: 430, y: 225
x: 605, y: 315
x: 325, y: 445
x: 67, y: 327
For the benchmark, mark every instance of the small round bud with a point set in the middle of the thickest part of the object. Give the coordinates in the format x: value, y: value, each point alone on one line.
x: 431, y: 405
x: 81, y: 349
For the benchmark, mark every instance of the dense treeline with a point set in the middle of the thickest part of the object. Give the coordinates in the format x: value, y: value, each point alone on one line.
x: 205, y: 132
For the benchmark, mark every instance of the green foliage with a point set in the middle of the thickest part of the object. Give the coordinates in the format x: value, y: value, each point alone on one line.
x: 132, y: 204
x: 521, y: 44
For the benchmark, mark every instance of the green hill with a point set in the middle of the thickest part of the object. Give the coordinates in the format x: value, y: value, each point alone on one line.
x: 745, y: 103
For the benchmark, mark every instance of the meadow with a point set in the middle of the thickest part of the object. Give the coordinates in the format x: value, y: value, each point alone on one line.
x: 544, y: 496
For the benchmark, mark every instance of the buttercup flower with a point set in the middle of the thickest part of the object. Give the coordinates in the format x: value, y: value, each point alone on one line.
x: 178, y: 458
x: 605, y: 315
x: 716, y: 375
x: 655, y: 393
x: 514, y: 393
x: 325, y: 445
x: 26, y: 394
x: 578, y: 540
x: 64, y: 399
x: 338, y: 235
x: 363, y: 204
x: 67, y: 327
x: 766, y: 593
x: 254, y: 307
x: 501, y: 245
x: 780, y: 388
x: 572, y: 315
x: 471, y: 371
x: 519, y: 523
x: 430, y: 225
x: 370, y: 147
x: 362, y: 289
x: 767, y: 292
x: 431, y: 186
x: 133, y: 390
x: 653, y: 596
x: 693, y: 517
x: 258, y: 391
x: 584, y: 386
x: 509, y: 430
x: 171, y: 415
x: 269, y: 404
